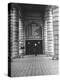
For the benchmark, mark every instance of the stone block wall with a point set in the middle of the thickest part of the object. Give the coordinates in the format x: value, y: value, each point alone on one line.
x: 13, y: 31
x: 56, y: 30
x: 51, y: 32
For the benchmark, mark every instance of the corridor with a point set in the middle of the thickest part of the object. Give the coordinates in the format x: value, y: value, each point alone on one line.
x: 34, y: 66
x: 33, y: 39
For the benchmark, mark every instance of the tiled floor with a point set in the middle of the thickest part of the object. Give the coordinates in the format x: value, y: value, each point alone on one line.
x: 34, y: 65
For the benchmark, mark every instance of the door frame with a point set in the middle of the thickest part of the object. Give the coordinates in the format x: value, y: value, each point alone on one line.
x: 34, y: 40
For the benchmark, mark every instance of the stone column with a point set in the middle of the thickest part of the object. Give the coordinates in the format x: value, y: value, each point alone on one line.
x: 45, y: 35
x: 56, y: 31
x: 13, y: 29
x: 50, y: 39
x: 21, y: 37
x: 48, y: 32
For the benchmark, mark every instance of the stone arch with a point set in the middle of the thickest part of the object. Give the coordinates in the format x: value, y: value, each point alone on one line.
x: 29, y: 22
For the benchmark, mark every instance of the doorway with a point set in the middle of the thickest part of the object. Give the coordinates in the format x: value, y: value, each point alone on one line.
x: 33, y: 47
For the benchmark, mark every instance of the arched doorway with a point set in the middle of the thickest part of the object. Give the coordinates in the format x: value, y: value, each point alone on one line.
x: 33, y: 39
x: 33, y: 47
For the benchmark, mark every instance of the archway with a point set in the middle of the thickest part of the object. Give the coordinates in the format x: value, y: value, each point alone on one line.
x: 34, y: 38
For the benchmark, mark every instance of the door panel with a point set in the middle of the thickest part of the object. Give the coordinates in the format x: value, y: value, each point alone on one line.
x: 33, y: 47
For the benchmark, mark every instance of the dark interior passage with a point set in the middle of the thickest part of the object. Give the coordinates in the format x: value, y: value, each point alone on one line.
x: 33, y: 47
x: 33, y: 23
x: 33, y: 30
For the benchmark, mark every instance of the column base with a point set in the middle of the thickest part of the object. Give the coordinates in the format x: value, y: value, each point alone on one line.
x: 55, y: 57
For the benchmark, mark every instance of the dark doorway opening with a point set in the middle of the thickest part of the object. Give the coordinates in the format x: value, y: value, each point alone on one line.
x: 33, y: 47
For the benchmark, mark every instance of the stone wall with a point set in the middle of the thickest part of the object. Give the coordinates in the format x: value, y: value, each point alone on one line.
x: 51, y: 31
x: 20, y: 29
x: 21, y: 36
x: 56, y: 30
x: 13, y: 30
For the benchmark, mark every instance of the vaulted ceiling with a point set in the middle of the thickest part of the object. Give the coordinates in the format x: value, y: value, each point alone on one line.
x: 33, y: 8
